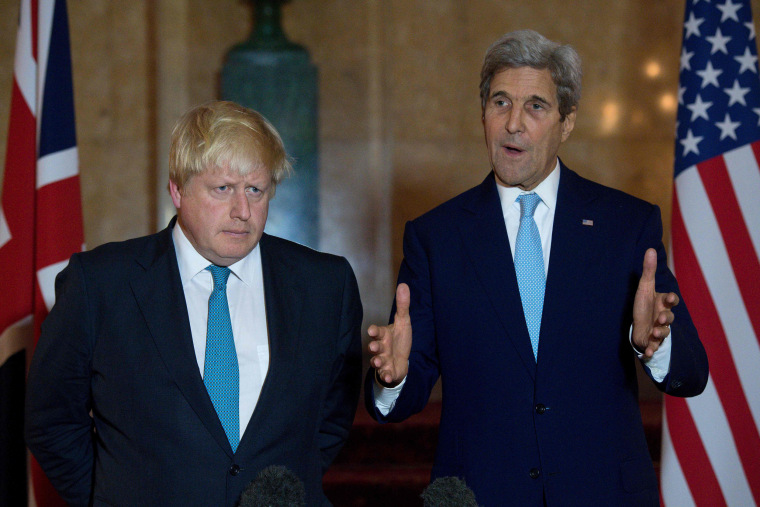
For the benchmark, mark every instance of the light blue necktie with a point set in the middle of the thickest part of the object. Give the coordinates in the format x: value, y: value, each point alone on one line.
x: 220, y: 372
x: 529, y: 266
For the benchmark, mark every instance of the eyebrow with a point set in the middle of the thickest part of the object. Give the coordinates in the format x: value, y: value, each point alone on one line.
x: 502, y: 93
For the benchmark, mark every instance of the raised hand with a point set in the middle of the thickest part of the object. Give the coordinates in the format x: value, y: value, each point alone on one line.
x: 652, y: 311
x: 390, y: 345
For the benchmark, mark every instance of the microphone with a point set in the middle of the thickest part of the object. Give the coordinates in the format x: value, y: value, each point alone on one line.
x: 448, y: 492
x: 275, y: 486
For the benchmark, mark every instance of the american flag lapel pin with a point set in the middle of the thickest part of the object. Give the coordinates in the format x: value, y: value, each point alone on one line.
x: 588, y: 222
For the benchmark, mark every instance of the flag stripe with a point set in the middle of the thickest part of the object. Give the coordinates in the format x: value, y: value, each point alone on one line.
x: 25, y: 66
x: 57, y: 166
x: 745, y: 177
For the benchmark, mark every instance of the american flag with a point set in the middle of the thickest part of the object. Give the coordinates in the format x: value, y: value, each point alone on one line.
x: 40, y: 221
x: 711, y: 443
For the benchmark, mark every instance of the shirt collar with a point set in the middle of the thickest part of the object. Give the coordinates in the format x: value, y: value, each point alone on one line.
x: 191, y: 263
x: 546, y: 190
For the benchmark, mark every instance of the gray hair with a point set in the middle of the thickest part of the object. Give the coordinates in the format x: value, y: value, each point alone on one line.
x: 527, y: 48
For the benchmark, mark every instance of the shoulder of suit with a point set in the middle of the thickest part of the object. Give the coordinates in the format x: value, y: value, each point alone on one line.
x: 454, y: 205
x: 114, y: 253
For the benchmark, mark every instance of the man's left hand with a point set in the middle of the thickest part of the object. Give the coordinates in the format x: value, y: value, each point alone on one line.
x: 652, y: 315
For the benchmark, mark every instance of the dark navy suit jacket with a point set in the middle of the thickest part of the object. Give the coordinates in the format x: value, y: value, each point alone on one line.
x: 117, y: 343
x: 565, y: 430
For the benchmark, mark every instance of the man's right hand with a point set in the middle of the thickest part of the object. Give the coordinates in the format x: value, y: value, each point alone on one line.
x: 390, y: 345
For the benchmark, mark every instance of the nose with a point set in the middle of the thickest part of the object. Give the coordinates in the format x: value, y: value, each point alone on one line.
x: 241, y: 208
x: 514, y: 123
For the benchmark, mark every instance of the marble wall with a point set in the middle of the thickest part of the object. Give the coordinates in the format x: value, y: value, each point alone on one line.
x: 399, y: 117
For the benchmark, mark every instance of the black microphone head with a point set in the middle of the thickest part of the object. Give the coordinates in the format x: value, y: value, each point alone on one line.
x: 275, y: 486
x: 448, y: 492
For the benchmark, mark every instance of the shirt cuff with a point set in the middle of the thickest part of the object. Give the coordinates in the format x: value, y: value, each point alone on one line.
x: 385, y: 397
x: 659, y: 363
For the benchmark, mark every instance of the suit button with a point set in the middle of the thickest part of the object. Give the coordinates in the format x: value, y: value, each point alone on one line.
x: 534, y: 473
x: 234, y: 470
x: 540, y: 408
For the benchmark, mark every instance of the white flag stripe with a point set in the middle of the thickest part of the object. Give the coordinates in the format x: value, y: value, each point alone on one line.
x: 675, y: 489
x: 745, y: 178
x: 710, y: 418
x: 46, y: 280
x: 5, y: 232
x: 57, y: 166
x: 703, y: 230
x: 25, y: 67
x: 44, y: 27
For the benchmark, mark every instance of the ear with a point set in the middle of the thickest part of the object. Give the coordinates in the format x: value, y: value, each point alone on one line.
x: 568, y: 124
x: 176, y: 193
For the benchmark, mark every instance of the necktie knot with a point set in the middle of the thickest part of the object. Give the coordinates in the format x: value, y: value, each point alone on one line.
x: 220, y: 274
x: 528, y: 204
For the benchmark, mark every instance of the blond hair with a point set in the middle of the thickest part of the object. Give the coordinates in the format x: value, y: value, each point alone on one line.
x: 225, y: 135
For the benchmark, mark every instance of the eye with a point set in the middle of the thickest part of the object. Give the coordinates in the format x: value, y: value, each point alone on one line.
x: 536, y: 106
x: 253, y: 190
x: 222, y: 188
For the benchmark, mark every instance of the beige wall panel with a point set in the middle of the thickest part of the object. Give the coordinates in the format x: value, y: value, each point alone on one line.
x: 110, y: 52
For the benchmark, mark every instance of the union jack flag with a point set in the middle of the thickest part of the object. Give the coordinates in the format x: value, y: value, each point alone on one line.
x: 40, y: 222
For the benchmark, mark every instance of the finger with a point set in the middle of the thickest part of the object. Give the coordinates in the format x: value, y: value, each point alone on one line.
x: 375, y: 347
x: 403, y: 298
x: 379, y: 362
x: 377, y: 332
x: 650, y: 267
x: 671, y: 300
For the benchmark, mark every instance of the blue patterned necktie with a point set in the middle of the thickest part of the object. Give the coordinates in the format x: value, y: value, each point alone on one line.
x: 220, y: 372
x: 529, y: 266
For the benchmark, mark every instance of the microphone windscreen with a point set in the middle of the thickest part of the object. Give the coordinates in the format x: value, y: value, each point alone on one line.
x: 275, y: 486
x: 448, y: 492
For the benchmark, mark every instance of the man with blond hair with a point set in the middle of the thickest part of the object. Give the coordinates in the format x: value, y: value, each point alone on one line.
x: 171, y: 369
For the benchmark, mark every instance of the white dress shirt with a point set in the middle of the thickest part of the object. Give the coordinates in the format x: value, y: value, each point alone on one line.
x: 658, y: 364
x: 245, y: 295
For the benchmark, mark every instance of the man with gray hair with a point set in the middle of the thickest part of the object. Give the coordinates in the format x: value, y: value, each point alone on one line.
x: 171, y: 368
x: 532, y: 296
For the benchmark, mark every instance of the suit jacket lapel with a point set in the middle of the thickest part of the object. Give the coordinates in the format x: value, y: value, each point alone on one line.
x: 574, y: 255
x: 165, y: 313
x: 284, y: 302
x: 484, y: 235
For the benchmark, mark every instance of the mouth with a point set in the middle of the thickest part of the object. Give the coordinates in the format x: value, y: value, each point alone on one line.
x: 512, y: 149
x: 236, y: 234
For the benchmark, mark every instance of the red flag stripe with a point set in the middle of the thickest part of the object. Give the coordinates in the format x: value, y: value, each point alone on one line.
x: 18, y: 208
x: 57, y: 238
x: 723, y: 371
